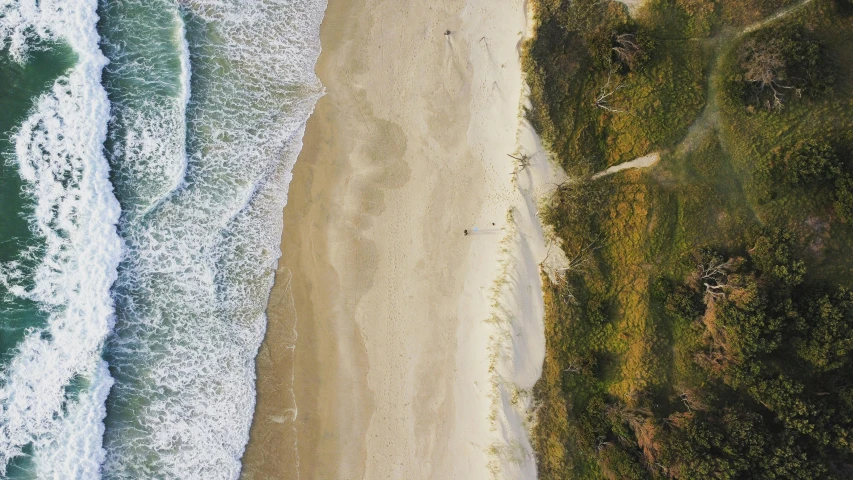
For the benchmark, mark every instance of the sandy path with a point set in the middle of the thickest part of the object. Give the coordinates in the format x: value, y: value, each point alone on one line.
x: 407, y: 149
x: 645, y: 161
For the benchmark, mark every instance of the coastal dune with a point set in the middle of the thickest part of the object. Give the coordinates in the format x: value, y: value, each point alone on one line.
x: 397, y: 370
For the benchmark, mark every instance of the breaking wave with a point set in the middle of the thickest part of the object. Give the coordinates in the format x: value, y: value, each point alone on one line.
x: 52, y: 390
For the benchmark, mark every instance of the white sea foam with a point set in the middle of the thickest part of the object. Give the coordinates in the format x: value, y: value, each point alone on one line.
x: 68, y: 454
x: 58, y: 150
x: 193, y: 288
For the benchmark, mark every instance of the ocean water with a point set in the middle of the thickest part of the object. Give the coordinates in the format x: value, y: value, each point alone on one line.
x: 147, y: 147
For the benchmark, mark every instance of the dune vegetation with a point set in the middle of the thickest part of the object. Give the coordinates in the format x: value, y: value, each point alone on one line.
x: 704, y: 328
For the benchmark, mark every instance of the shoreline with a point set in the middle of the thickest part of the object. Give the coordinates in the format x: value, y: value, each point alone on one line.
x: 284, y: 431
x: 393, y: 365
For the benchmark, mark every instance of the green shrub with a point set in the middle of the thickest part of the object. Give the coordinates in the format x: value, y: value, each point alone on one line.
x: 811, y: 163
x: 782, y: 63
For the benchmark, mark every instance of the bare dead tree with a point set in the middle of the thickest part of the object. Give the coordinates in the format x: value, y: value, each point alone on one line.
x: 713, y: 274
x: 580, y: 257
x: 568, y: 190
x: 558, y: 190
x: 719, y: 355
x: 691, y: 400
x: 631, y: 416
x: 567, y: 297
x: 606, y: 91
x: 575, y: 263
x: 572, y: 369
x: 764, y: 66
x: 627, y: 50
x: 523, y: 162
x: 576, y: 364
x: 564, y: 293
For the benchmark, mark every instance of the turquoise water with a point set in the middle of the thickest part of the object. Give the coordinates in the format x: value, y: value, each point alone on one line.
x: 149, y: 145
x: 21, y: 85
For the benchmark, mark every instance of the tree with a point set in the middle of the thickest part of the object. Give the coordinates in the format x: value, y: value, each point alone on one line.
x: 628, y: 51
x: 606, y: 91
x: 775, y: 261
x: 763, y: 63
x: 844, y: 197
x: 811, y: 162
x: 596, y: 21
x: 781, y: 60
x: 713, y: 273
x: 828, y: 331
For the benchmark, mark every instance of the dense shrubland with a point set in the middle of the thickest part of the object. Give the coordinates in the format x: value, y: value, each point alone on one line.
x: 705, y: 326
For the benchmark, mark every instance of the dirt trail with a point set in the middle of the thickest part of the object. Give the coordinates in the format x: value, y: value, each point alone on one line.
x: 709, y: 120
x: 641, y: 162
x: 772, y: 18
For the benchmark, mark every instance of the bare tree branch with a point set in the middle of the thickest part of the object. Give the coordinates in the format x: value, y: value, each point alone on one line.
x: 605, y: 92
x: 523, y: 162
x: 713, y: 274
x: 764, y: 66
x: 627, y: 50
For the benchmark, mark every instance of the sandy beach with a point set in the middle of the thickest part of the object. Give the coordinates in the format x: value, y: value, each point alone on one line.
x: 406, y: 363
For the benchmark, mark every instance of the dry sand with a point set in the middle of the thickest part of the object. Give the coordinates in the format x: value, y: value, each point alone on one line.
x: 417, y: 345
